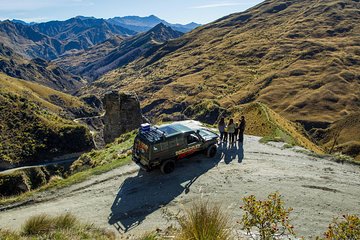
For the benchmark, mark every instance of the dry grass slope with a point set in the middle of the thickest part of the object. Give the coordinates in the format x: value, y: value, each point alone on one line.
x: 300, y: 58
x: 30, y: 123
x: 342, y: 136
x: 262, y: 121
x: 44, y: 96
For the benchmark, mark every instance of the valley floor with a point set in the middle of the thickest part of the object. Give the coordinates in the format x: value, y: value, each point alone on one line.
x: 128, y: 199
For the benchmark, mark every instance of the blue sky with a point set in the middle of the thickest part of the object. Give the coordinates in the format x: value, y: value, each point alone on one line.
x: 174, y: 11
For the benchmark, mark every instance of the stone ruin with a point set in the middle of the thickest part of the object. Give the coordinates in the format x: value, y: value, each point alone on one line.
x: 122, y: 114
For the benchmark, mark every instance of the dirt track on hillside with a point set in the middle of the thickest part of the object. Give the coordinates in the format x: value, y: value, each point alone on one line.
x: 126, y: 199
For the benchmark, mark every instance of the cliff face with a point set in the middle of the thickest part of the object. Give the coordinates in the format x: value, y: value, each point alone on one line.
x: 123, y: 114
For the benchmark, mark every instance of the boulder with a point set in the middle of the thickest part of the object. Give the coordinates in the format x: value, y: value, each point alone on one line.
x: 122, y: 114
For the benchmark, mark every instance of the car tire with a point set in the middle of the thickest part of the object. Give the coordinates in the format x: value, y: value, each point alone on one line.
x: 167, y: 167
x: 211, y: 151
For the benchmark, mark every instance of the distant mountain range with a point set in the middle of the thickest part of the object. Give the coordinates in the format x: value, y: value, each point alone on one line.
x: 116, y: 52
x: 143, y: 24
x: 37, y: 70
x: 134, y: 23
x: 50, y: 40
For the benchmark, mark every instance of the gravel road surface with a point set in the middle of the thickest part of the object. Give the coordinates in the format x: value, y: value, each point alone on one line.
x: 131, y: 202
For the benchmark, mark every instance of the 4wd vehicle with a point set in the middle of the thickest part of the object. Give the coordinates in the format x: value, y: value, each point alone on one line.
x: 161, y: 146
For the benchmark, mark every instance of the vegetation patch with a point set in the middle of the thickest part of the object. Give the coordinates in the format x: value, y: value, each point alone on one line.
x: 119, y: 149
x: 65, y: 226
x: 347, y: 228
x: 269, y: 217
x: 204, y: 221
x: 207, y: 111
x: 30, y: 134
x: 95, y: 162
x: 262, y: 121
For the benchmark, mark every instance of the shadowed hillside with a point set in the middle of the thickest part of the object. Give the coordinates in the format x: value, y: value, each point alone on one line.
x: 301, y: 58
x: 115, y: 53
x: 37, y: 70
x: 342, y: 136
x: 30, y: 124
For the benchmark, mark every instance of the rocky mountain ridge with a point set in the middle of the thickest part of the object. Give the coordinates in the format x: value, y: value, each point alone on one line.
x: 52, y: 39
x: 37, y: 70
x: 113, y: 53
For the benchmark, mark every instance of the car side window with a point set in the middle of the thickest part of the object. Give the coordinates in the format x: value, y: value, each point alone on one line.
x: 173, y: 142
x: 157, y: 147
x: 192, y: 139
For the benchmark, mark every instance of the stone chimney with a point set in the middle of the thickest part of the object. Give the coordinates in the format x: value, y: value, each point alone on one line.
x: 123, y: 114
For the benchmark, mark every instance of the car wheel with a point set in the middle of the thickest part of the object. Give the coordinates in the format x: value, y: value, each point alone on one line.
x: 167, y: 166
x: 211, y: 151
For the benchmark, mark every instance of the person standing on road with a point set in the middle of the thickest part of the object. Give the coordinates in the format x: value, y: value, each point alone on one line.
x: 226, y: 134
x: 221, y: 127
x: 242, y: 129
x: 231, y: 131
x: 236, y: 133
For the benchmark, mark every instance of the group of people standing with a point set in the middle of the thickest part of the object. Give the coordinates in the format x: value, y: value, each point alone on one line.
x: 232, y: 131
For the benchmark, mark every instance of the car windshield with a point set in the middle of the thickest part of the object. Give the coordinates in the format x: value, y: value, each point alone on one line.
x: 205, y: 134
x: 168, y: 130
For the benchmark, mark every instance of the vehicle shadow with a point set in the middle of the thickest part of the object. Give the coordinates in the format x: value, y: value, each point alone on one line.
x: 143, y: 194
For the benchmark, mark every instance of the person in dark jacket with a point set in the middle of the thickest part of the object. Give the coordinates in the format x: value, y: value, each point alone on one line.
x: 242, y: 129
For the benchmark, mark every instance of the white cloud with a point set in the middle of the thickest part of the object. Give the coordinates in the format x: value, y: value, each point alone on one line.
x: 217, y: 5
x: 35, y: 19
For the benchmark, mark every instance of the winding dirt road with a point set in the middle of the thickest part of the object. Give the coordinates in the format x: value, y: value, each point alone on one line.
x: 132, y: 202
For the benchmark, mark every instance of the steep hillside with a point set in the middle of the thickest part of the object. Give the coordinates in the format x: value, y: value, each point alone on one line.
x: 301, y: 58
x: 55, y: 101
x: 115, y: 53
x: 37, y: 70
x: 31, y: 128
x: 27, y: 42
x: 143, y: 24
x: 342, y: 136
x: 81, y: 33
x: 76, y: 61
x: 51, y: 39
x: 262, y: 121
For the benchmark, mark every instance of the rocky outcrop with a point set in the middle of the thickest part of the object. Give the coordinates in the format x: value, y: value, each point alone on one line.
x: 123, y: 114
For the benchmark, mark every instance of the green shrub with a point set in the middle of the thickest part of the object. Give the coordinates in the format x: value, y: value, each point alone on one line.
x: 10, y: 184
x: 65, y: 226
x: 269, y: 217
x: 349, y: 228
x: 43, y: 224
x: 8, y: 235
x: 204, y: 222
x: 65, y: 221
x: 38, y: 225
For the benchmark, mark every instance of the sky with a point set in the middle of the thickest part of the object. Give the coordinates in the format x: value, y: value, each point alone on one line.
x: 173, y: 11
